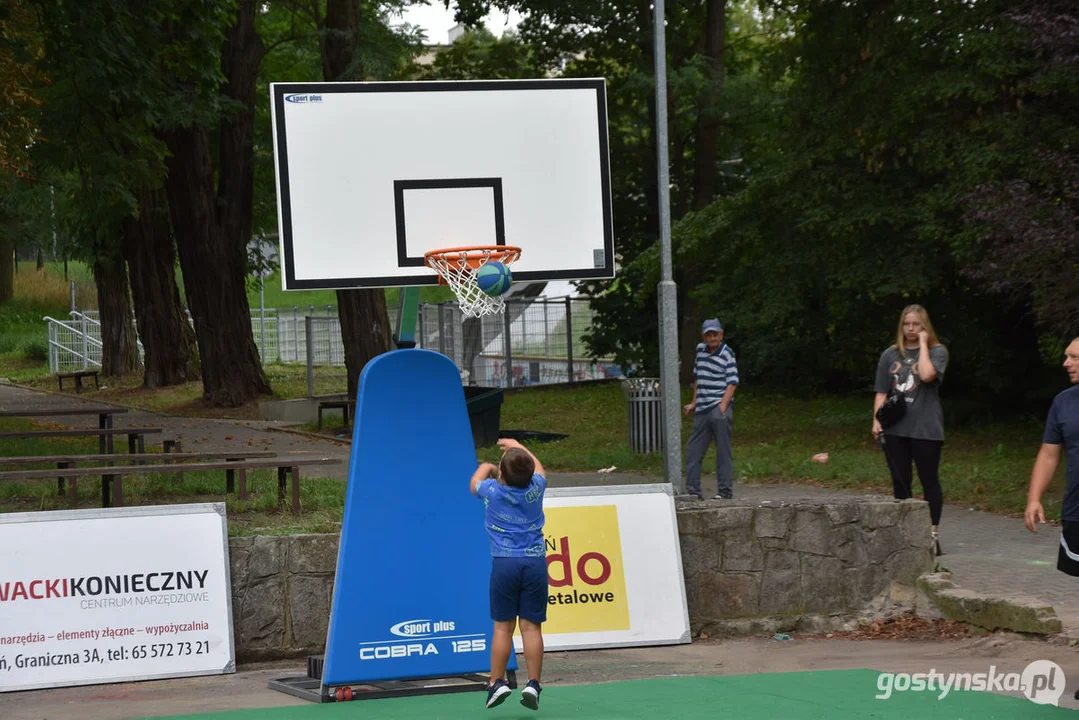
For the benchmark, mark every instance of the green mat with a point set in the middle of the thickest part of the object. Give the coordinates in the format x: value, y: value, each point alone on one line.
x: 831, y: 695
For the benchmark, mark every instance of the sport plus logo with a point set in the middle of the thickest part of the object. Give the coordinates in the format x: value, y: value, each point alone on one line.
x: 421, y: 628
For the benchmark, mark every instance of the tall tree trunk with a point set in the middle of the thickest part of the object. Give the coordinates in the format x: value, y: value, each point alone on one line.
x: 365, y: 322
x: 231, y: 370
x: 365, y: 328
x: 213, y: 228
x: 40, y: 259
x: 705, y: 173
x: 7, y: 271
x: 240, y: 60
x: 705, y: 146
x: 168, y: 341
x: 119, y: 348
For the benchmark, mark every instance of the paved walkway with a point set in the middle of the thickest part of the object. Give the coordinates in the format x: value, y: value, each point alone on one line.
x: 985, y: 552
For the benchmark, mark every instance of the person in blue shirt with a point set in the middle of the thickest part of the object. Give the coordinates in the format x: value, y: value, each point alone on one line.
x: 513, y: 492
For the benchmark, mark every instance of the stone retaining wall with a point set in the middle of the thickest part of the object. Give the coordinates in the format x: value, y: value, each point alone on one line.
x: 807, y: 567
x: 748, y: 569
x: 281, y: 591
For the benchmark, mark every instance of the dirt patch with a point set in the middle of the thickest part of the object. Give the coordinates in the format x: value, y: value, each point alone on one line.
x: 905, y: 627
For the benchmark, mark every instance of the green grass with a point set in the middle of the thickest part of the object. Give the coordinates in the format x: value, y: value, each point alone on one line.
x: 23, y: 331
x: 985, y: 467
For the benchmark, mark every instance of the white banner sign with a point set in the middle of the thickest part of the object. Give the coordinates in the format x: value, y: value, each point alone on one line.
x: 614, y: 567
x: 113, y: 595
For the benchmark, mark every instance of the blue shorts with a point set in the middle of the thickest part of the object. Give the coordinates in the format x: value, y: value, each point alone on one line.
x: 519, y: 589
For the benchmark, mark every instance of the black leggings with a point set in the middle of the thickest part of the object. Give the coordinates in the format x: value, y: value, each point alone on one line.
x: 899, y: 451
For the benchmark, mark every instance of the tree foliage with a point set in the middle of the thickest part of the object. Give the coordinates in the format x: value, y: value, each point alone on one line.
x: 1027, y: 250
x: 866, y: 141
x: 20, y: 81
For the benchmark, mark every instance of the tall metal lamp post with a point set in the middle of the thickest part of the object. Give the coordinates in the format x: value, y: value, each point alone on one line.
x: 668, y: 290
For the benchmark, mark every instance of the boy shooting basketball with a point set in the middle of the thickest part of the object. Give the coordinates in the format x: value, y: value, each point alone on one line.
x: 514, y: 501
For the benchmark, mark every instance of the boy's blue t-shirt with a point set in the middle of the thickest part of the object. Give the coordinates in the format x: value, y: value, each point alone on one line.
x: 514, y: 517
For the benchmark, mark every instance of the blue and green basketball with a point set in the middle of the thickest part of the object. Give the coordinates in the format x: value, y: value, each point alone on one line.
x: 494, y: 278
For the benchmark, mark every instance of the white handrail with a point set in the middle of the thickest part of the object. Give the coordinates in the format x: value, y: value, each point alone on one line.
x: 76, y: 329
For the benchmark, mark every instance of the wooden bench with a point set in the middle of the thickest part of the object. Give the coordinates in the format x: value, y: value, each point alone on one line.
x: 287, y: 466
x: 343, y: 405
x: 135, y: 436
x: 77, y: 376
x: 63, y: 462
x: 104, y: 417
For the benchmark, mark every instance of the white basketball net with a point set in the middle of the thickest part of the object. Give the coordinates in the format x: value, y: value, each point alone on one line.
x: 458, y: 269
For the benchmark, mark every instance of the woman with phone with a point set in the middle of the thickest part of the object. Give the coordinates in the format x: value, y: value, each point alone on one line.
x: 908, y: 420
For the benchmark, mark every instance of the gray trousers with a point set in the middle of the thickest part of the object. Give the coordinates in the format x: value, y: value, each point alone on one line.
x: 709, y: 427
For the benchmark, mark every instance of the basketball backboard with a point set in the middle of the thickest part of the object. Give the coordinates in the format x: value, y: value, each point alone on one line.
x: 370, y: 176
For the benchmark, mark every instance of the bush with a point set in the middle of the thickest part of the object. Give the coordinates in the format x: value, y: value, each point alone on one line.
x: 36, y: 350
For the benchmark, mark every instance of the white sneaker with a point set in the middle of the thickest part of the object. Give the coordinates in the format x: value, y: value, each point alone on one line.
x: 530, y: 695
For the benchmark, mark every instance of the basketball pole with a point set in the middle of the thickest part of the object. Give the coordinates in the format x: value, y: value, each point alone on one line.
x: 407, y: 308
x: 668, y: 290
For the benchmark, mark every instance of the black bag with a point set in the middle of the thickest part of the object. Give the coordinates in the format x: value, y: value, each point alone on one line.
x: 893, y: 409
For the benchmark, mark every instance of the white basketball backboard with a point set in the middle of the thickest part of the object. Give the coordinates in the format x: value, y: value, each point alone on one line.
x: 370, y: 176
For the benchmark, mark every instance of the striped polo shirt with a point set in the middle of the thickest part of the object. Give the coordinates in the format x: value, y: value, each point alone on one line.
x: 713, y: 371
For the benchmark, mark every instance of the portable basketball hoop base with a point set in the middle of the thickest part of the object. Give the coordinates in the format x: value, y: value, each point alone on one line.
x: 309, y: 687
x: 411, y: 621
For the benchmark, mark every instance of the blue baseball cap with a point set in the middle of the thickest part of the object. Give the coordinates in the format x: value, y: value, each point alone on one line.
x: 711, y: 325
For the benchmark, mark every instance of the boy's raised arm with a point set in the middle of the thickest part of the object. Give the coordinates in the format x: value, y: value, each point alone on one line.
x: 483, y: 472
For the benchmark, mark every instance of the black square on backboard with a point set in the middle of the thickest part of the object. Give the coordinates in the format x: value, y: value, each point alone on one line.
x: 399, y: 188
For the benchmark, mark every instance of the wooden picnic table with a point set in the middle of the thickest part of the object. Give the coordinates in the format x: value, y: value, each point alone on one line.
x: 133, y: 434
x: 104, y: 418
x: 286, y: 465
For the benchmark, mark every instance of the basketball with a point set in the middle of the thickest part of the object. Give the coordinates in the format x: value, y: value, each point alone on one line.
x: 494, y: 278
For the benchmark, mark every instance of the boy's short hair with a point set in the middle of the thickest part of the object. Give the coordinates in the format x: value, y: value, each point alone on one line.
x: 517, y: 468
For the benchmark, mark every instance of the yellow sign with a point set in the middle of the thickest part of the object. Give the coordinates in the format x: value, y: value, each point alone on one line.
x: 587, y: 586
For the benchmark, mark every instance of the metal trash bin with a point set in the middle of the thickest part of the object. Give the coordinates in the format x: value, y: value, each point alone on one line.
x: 484, y: 413
x: 645, y: 414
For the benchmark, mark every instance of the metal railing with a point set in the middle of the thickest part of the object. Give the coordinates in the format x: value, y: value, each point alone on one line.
x: 535, y: 342
x: 539, y: 341
x: 74, y: 344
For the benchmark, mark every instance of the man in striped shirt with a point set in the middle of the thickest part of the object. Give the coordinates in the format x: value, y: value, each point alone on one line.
x: 715, y: 378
